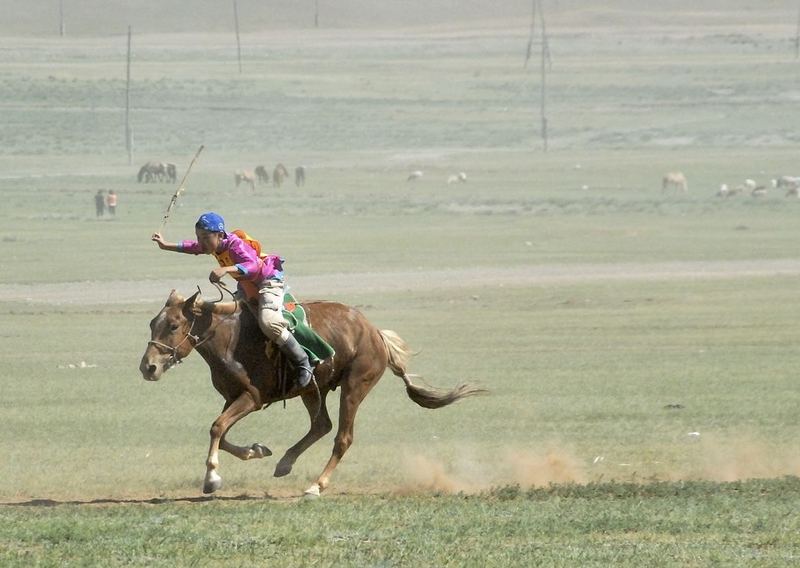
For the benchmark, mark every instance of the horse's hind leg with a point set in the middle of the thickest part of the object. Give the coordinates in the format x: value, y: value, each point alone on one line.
x: 320, y: 425
x: 233, y: 412
x: 354, y: 389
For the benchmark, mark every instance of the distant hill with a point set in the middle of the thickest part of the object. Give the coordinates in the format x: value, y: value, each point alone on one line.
x: 111, y: 17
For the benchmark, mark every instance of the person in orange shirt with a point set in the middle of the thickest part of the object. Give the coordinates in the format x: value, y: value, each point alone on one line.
x: 111, y: 202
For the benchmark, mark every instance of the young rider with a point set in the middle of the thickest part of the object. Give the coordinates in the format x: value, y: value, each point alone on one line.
x: 238, y: 259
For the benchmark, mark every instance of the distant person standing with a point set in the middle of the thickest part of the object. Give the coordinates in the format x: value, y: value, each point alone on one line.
x: 99, y: 203
x: 111, y: 202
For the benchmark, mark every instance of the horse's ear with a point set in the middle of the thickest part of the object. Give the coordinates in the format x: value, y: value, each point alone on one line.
x: 174, y: 298
x: 187, y: 306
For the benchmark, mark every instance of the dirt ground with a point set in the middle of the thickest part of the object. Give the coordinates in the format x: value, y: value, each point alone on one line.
x: 320, y: 286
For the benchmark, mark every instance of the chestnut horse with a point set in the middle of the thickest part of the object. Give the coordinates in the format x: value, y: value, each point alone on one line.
x: 234, y: 348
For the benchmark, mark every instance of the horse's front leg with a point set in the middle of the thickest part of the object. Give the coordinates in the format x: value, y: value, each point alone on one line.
x: 233, y: 412
x: 244, y: 453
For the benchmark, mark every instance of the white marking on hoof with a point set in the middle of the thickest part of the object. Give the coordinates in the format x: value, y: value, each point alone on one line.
x: 312, y: 492
x: 212, y: 482
x: 259, y: 451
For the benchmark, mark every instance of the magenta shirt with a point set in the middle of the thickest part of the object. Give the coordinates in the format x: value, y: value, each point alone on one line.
x: 235, y: 252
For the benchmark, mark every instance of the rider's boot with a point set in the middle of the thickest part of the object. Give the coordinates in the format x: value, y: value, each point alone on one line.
x: 297, y: 356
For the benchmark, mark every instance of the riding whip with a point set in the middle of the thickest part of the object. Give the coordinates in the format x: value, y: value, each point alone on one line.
x: 178, y: 191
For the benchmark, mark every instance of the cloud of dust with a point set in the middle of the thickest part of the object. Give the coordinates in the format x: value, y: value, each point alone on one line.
x: 714, y: 458
x: 468, y: 474
x: 731, y: 459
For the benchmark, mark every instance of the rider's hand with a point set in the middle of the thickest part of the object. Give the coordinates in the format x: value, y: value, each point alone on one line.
x: 158, y: 239
x: 217, y: 274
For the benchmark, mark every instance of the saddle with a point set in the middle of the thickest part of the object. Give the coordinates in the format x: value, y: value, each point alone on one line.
x: 296, y: 322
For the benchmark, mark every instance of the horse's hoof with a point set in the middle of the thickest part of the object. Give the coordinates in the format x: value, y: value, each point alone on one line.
x: 212, y: 483
x: 312, y: 492
x: 283, y: 468
x: 259, y: 451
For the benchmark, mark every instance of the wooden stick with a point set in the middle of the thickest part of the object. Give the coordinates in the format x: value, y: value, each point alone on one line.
x: 178, y: 191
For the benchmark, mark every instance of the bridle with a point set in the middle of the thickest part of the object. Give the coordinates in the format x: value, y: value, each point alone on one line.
x: 174, y: 359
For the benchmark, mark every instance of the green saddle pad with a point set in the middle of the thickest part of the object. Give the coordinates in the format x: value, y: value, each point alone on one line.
x: 295, y: 315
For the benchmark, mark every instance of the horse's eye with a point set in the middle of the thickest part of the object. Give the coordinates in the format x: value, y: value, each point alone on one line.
x: 173, y: 327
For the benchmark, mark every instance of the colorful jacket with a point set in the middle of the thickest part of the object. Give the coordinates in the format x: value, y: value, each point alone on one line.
x: 233, y: 251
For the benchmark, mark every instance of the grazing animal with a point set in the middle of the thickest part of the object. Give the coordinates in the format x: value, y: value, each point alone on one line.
x: 414, y: 176
x: 261, y: 173
x: 759, y: 191
x: 461, y: 177
x: 152, y: 172
x: 786, y: 182
x: 750, y: 184
x: 674, y: 180
x: 245, y: 176
x: 299, y: 176
x: 279, y: 174
x: 172, y: 173
x: 233, y: 347
x: 725, y: 191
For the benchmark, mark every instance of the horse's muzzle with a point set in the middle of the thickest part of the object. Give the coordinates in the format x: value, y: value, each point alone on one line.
x: 151, y: 371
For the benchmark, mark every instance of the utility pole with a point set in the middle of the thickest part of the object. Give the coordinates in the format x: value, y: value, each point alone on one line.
x: 61, y: 29
x: 128, y: 131
x: 544, y: 68
x: 797, y: 37
x: 238, y: 43
x: 316, y: 13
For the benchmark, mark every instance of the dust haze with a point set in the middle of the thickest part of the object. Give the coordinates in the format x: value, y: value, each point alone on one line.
x: 714, y: 458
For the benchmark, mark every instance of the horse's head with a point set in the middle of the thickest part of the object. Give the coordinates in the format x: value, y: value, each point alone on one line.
x: 171, y: 336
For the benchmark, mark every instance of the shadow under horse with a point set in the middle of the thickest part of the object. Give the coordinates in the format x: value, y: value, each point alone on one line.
x: 234, y: 348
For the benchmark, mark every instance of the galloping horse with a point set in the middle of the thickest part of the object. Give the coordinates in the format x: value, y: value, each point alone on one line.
x: 675, y: 180
x: 234, y: 349
x: 279, y: 174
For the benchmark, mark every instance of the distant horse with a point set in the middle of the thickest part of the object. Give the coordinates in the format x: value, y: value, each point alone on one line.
x: 234, y: 349
x: 279, y: 174
x: 674, y: 180
x: 172, y: 173
x: 245, y: 176
x: 300, y: 176
x: 414, y: 176
x: 261, y: 174
x: 152, y: 172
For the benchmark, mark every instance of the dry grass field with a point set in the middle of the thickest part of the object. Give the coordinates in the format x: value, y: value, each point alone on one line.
x: 639, y: 346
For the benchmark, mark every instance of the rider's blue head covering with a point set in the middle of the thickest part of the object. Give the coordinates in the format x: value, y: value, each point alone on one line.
x: 211, y: 222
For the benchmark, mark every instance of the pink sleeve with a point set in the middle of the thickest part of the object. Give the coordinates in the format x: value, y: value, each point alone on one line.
x: 244, y: 257
x: 190, y: 247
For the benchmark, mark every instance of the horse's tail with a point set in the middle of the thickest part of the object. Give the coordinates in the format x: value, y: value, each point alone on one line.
x: 142, y: 171
x: 426, y: 397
